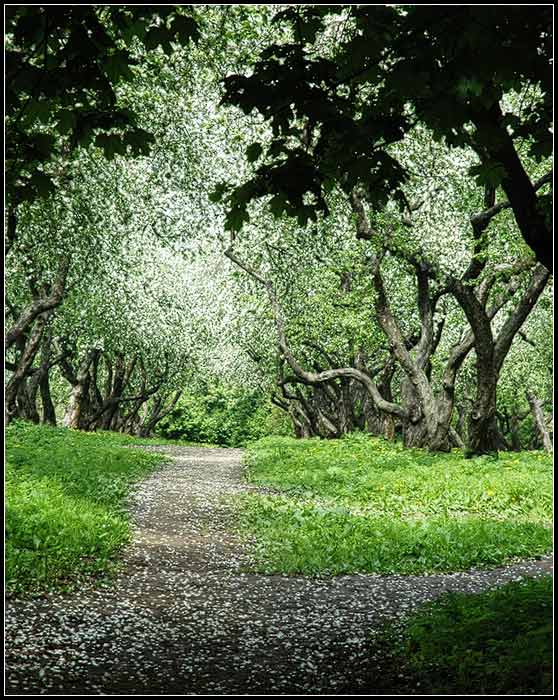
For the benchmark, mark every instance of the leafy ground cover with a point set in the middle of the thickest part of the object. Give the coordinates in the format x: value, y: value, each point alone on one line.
x: 65, y: 498
x: 497, y: 642
x: 365, y: 504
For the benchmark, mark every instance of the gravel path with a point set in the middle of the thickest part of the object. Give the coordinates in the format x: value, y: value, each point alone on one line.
x: 182, y: 617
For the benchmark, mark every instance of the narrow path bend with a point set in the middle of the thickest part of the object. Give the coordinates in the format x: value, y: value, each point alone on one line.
x: 182, y: 618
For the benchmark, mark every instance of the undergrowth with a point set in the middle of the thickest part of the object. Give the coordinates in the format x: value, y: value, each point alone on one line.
x: 66, y: 493
x: 365, y: 504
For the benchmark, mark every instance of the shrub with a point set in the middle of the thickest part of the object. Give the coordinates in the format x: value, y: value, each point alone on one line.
x: 222, y: 416
x: 497, y: 642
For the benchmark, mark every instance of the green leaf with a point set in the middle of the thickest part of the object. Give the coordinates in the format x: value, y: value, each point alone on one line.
x: 158, y: 36
x: 38, y: 109
x: 185, y: 28
x: 139, y: 141
x: 66, y: 121
x: 236, y: 218
x: 253, y: 152
x: 277, y: 205
x: 111, y: 144
x: 117, y: 66
x: 43, y: 143
x: 541, y: 149
x: 469, y: 86
x: 42, y: 183
x: 217, y: 194
x: 488, y: 173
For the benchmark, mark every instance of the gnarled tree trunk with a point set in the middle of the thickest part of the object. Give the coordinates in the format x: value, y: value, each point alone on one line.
x: 540, y: 422
x: 22, y: 368
x: 78, y: 408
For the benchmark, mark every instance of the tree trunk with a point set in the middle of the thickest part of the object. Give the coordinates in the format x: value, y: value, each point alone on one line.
x: 49, y: 413
x: 491, y: 352
x: 23, y: 366
x: 425, y: 425
x: 26, y: 402
x: 483, y: 434
x: 538, y: 416
x: 461, y: 424
x: 373, y: 423
x: 78, y: 407
x: 415, y: 434
x: 514, y: 432
x: 521, y: 192
x: 111, y: 407
x: 72, y: 417
x: 40, y: 305
x: 28, y: 394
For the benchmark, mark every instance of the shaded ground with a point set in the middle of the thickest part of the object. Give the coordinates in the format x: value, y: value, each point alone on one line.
x: 183, y: 616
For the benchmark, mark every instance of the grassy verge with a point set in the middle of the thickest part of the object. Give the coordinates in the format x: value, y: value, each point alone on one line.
x: 364, y: 504
x: 65, y: 498
x: 493, y: 643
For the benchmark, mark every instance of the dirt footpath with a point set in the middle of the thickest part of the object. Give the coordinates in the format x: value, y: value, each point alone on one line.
x: 183, y: 618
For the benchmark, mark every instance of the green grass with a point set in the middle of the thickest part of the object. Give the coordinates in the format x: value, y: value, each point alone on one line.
x: 121, y: 438
x: 497, y: 642
x: 65, y: 503
x: 365, y: 504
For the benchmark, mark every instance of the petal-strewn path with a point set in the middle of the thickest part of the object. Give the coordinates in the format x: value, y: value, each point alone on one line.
x: 182, y: 617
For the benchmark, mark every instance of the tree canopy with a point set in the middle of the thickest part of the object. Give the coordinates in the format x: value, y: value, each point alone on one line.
x: 350, y: 245
x: 63, y: 68
x: 351, y: 82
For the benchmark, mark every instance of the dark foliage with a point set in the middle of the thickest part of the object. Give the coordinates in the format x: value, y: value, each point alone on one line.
x: 333, y: 119
x: 498, y: 642
x: 63, y: 66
